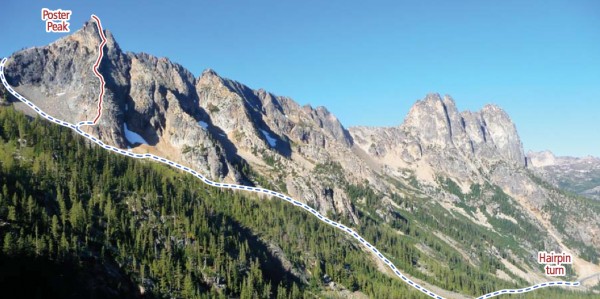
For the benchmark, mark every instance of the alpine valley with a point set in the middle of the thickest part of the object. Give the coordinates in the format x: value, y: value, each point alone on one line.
x: 449, y: 196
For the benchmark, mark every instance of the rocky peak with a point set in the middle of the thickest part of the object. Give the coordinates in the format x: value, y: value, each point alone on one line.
x: 62, y: 70
x: 332, y: 125
x: 209, y: 72
x: 429, y: 120
x: 487, y: 134
x: 88, y: 32
x: 503, y: 133
x: 256, y: 114
x: 89, y: 37
x: 209, y: 76
x: 144, y: 95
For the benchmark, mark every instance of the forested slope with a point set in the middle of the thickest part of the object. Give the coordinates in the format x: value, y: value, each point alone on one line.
x: 79, y: 222
x: 87, y: 214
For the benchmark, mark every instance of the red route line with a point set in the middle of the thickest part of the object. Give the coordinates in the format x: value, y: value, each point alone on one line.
x: 97, y: 64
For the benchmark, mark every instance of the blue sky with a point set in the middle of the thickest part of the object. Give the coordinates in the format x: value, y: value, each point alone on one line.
x: 369, y: 62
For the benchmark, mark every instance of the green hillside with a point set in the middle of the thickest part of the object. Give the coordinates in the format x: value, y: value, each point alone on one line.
x: 79, y: 222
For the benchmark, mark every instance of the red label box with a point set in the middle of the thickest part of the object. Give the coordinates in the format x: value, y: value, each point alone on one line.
x: 56, y: 20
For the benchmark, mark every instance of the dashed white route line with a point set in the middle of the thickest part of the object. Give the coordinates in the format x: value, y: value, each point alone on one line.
x: 531, y: 288
x: 347, y: 230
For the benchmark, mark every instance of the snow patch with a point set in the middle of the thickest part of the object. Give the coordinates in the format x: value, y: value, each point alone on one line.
x: 272, y: 141
x: 60, y: 94
x: 203, y: 124
x: 133, y: 137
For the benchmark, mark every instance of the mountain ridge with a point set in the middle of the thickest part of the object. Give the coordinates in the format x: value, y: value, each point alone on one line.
x: 256, y: 137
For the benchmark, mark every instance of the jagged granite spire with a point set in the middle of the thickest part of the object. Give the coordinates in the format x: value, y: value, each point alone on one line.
x: 487, y: 134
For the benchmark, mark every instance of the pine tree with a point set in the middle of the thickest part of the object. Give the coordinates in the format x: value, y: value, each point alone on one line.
x: 62, y: 207
x: 30, y: 207
x: 8, y: 244
x: 188, y: 287
x: 12, y: 213
x: 295, y: 292
x: 317, y: 275
x: 64, y: 244
x: 54, y: 227
x: 281, y: 293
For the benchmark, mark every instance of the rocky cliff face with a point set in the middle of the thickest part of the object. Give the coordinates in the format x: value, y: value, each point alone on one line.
x: 437, y: 143
x: 234, y: 133
x: 212, y: 123
x: 436, y: 137
x: 258, y: 119
x: 61, y: 73
x: 149, y: 96
x: 277, y: 136
x: 436, y: 124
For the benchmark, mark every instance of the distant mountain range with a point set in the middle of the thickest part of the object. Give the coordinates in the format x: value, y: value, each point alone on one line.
x: 577, y: 175
x: 442, y: 171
